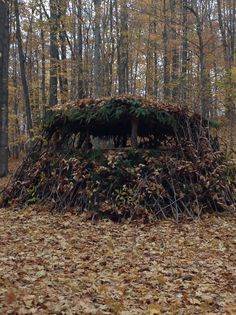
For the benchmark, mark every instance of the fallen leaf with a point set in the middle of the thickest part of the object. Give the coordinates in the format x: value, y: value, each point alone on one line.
x: 10, y: 296
x: 155, y: 309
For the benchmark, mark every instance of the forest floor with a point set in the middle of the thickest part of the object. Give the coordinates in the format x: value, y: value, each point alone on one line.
x: 63, y: 264
x: 12, y: 166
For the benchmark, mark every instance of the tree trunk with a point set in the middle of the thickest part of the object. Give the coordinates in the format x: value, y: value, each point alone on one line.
x: 80, y: 51
x: 184, y: 66
x: 54, y: 54
x: 112, y: 57
x: 97, y: 50
x: 4, y: 56
x: 228, y: 46
x: 43, y: 65
x: 123, y: 66
x: 23, y: 73
x: 63, y: 42
x: 204, y: 80
x: 175, y: 54
x: 166, y: 65
x: 149, y: 65
x: 16, y: 137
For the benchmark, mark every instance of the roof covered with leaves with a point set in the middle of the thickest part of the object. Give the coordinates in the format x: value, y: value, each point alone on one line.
x: 112, y: 116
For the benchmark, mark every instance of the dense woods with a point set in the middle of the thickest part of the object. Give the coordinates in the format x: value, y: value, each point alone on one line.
x: 180, y: 51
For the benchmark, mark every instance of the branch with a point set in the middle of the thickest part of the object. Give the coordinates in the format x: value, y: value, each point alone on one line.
x: 44, y: 10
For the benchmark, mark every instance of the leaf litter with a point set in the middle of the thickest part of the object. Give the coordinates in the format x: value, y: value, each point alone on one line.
x: 68, y: 265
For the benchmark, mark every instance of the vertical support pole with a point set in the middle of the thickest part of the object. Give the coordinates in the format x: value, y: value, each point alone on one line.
x: 134, y: 132
x: 87, y: 140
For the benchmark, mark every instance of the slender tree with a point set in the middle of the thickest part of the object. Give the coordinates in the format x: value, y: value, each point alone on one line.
x: 80, y: 50
x: 123, y: 65
x: 227, y: 29
x: 63, y: 78
x: 43, y: 65
x: 166, y: 63
x: 97, y: 50
x: 54, y: 53
x: 184, y: 55
x: 175, y: 52
x: 23, y: 72
x: 4, y: 54
x: 200, y: 14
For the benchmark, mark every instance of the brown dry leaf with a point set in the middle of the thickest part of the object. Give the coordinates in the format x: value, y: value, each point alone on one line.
x: 10, y: 296
x: 205, y: 307
x: 23, y: 311
x: 161, y: 280
x: 28, y: 300
x: 87, y: 306
x: 155, y: 309
x: 231, y: 309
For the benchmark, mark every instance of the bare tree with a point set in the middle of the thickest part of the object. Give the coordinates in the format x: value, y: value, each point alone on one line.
x: 23, y: 72
x: 63, y: 75
x: 199, y: 11
x: 184, y: 56
x: 43, y: 65
x: 97, y: 50
x: 175, y: 52
x: 4, y: 54
x: 166, y: 62
x: 227, y: 29
x: 122, y: 48
x: 80, y: 50
x: 54, y: 54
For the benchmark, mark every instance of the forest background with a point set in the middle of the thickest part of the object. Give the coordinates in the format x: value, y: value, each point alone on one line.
x: 178, y: 51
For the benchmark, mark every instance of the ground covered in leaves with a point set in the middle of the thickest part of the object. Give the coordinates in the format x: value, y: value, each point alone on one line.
x: 13, y: 164
x: 69, y: 265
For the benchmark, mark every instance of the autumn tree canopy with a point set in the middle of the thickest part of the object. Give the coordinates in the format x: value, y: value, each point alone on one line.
x: 180, y: 51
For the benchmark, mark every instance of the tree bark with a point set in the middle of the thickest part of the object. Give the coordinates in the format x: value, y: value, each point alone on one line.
x: 204, y: 80
x: 43, y: 65
x: 123, y: 65
x: 4, y: 56
x: 80, y: 51
x: 97, y: 50
x: 166, y: 65
x: 23, y: 73
x: 228, y: 47
x: 54, y: 54
x: 175, y: 54
x: 184, y: 57
x: 63, y: 43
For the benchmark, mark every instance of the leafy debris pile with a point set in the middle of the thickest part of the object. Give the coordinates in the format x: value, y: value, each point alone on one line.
x: 176, y: 169
x: 126, y: 183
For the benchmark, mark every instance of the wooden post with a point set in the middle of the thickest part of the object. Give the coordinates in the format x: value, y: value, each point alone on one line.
x: 134, y: 132
x: 87, y: 140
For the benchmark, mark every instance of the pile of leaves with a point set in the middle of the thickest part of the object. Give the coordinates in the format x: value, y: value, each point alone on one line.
x: 185, y: 174
x: 127, y: 183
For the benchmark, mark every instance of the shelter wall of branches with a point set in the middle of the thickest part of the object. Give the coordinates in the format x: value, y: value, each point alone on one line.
x: 162, y: 161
